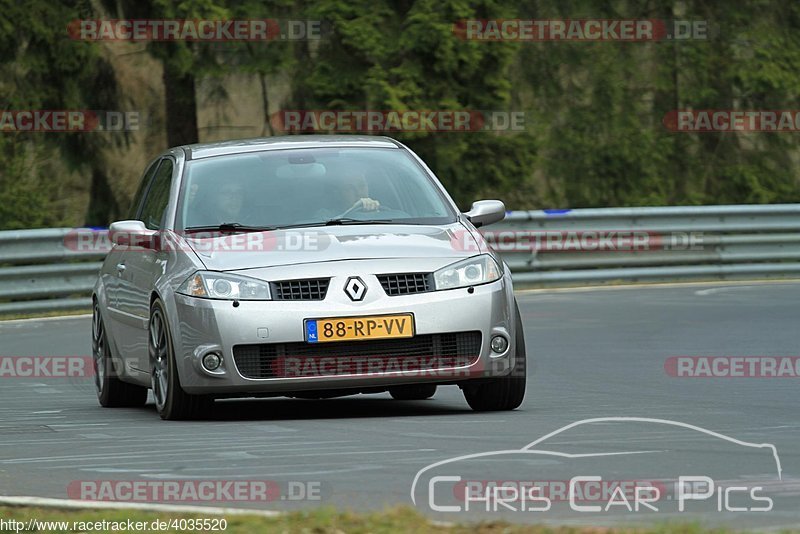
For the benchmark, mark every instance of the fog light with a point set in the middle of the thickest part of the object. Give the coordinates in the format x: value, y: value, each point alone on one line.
x: 212, y: 361
x: 499, y: 344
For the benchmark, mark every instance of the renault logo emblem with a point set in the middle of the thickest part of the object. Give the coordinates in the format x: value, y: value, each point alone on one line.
x: 355, y: 288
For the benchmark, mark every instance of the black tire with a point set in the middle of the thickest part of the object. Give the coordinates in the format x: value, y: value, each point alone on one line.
x: 111, y: 391
x: 506, y: 392
x: 174, y: 403
x: 413, y: 392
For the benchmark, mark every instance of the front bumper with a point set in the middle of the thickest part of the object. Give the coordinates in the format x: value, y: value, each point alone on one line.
x: 202, y: 326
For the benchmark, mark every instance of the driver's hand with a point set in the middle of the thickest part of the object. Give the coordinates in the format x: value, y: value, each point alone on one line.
x: 368, y: 204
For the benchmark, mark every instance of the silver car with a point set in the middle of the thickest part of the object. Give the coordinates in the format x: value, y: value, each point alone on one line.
x: 307, y: 267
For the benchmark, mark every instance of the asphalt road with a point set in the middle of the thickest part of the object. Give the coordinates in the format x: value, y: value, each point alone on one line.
x: 597, y: 353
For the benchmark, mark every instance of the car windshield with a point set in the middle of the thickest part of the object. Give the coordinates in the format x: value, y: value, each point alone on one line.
x: 300, y: 187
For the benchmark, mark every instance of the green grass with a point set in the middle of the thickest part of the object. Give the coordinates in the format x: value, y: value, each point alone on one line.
x: 330, y: 521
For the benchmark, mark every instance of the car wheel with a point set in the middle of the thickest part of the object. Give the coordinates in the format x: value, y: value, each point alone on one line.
x: 172, y: 402
x: 506, y: 392
x: 413, y: 392
x: 111, y: 391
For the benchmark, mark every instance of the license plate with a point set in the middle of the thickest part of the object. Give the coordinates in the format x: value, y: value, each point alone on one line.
x: 356, y: 328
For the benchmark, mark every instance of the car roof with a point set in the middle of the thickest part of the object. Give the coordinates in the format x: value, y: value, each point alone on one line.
x: 240, y: 146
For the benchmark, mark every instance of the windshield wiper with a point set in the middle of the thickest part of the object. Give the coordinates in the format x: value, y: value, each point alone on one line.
x: 229, y: 228
x: 234, y: 227
x: 348, y: 220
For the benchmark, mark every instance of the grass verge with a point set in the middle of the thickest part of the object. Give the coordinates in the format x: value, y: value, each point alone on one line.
x: 318, y: 521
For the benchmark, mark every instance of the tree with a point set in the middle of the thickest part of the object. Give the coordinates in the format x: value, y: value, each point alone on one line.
x: 43, y: 69
x: 387, y: 55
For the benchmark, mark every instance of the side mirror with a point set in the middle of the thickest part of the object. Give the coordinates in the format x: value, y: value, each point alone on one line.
x: 485, y: 212
x: 131, y: 233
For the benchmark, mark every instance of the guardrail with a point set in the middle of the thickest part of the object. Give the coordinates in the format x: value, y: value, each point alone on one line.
x: 679, y: 243
x: 43, y: 270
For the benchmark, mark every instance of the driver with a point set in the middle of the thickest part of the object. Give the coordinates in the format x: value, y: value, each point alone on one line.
x: 208, y: 205
x: 350, y: 193
x: 230, y: 201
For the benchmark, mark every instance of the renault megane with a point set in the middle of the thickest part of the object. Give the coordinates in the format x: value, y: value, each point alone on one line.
x: 302, y: 266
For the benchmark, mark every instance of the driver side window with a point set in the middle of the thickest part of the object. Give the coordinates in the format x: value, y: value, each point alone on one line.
x: 155, y: 205
x: 146, y: 179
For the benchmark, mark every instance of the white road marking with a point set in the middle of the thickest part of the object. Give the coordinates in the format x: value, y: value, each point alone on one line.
x: 112, y: 470
x: 457, y: 421
x: 715, y: 290
x: 148, y: 459
x: 122, y: 441
x: 255, y: 474
x: 272, y: 428
x: 182, y: 454
x: 355, y: 452
x: 11, y: 322
x: 77, y: 425
x: 236, y: 455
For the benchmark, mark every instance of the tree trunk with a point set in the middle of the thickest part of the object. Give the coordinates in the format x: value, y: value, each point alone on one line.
x: 181, y: 106
x: 103, y: 208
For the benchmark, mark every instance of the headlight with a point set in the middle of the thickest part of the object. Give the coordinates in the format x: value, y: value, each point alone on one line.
x: 470, y: 272
x: 211, y: 285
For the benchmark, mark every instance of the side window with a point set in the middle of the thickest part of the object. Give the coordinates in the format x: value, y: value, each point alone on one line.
x: 137, y: 200
x: 155, y: 205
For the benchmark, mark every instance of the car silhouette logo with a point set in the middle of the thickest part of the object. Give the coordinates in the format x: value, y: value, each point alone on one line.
x: 355, y: 288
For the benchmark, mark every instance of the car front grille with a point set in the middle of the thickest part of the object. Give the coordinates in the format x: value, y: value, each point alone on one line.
x: 312, y: 289
x: 406, y: 283
x: 418, y: 354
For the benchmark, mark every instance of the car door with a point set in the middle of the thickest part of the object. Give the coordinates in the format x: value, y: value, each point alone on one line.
x: 142, y: 266
x: 114, y: 266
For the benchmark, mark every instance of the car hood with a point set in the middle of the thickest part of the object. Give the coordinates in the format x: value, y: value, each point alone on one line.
x: 333, y: 243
